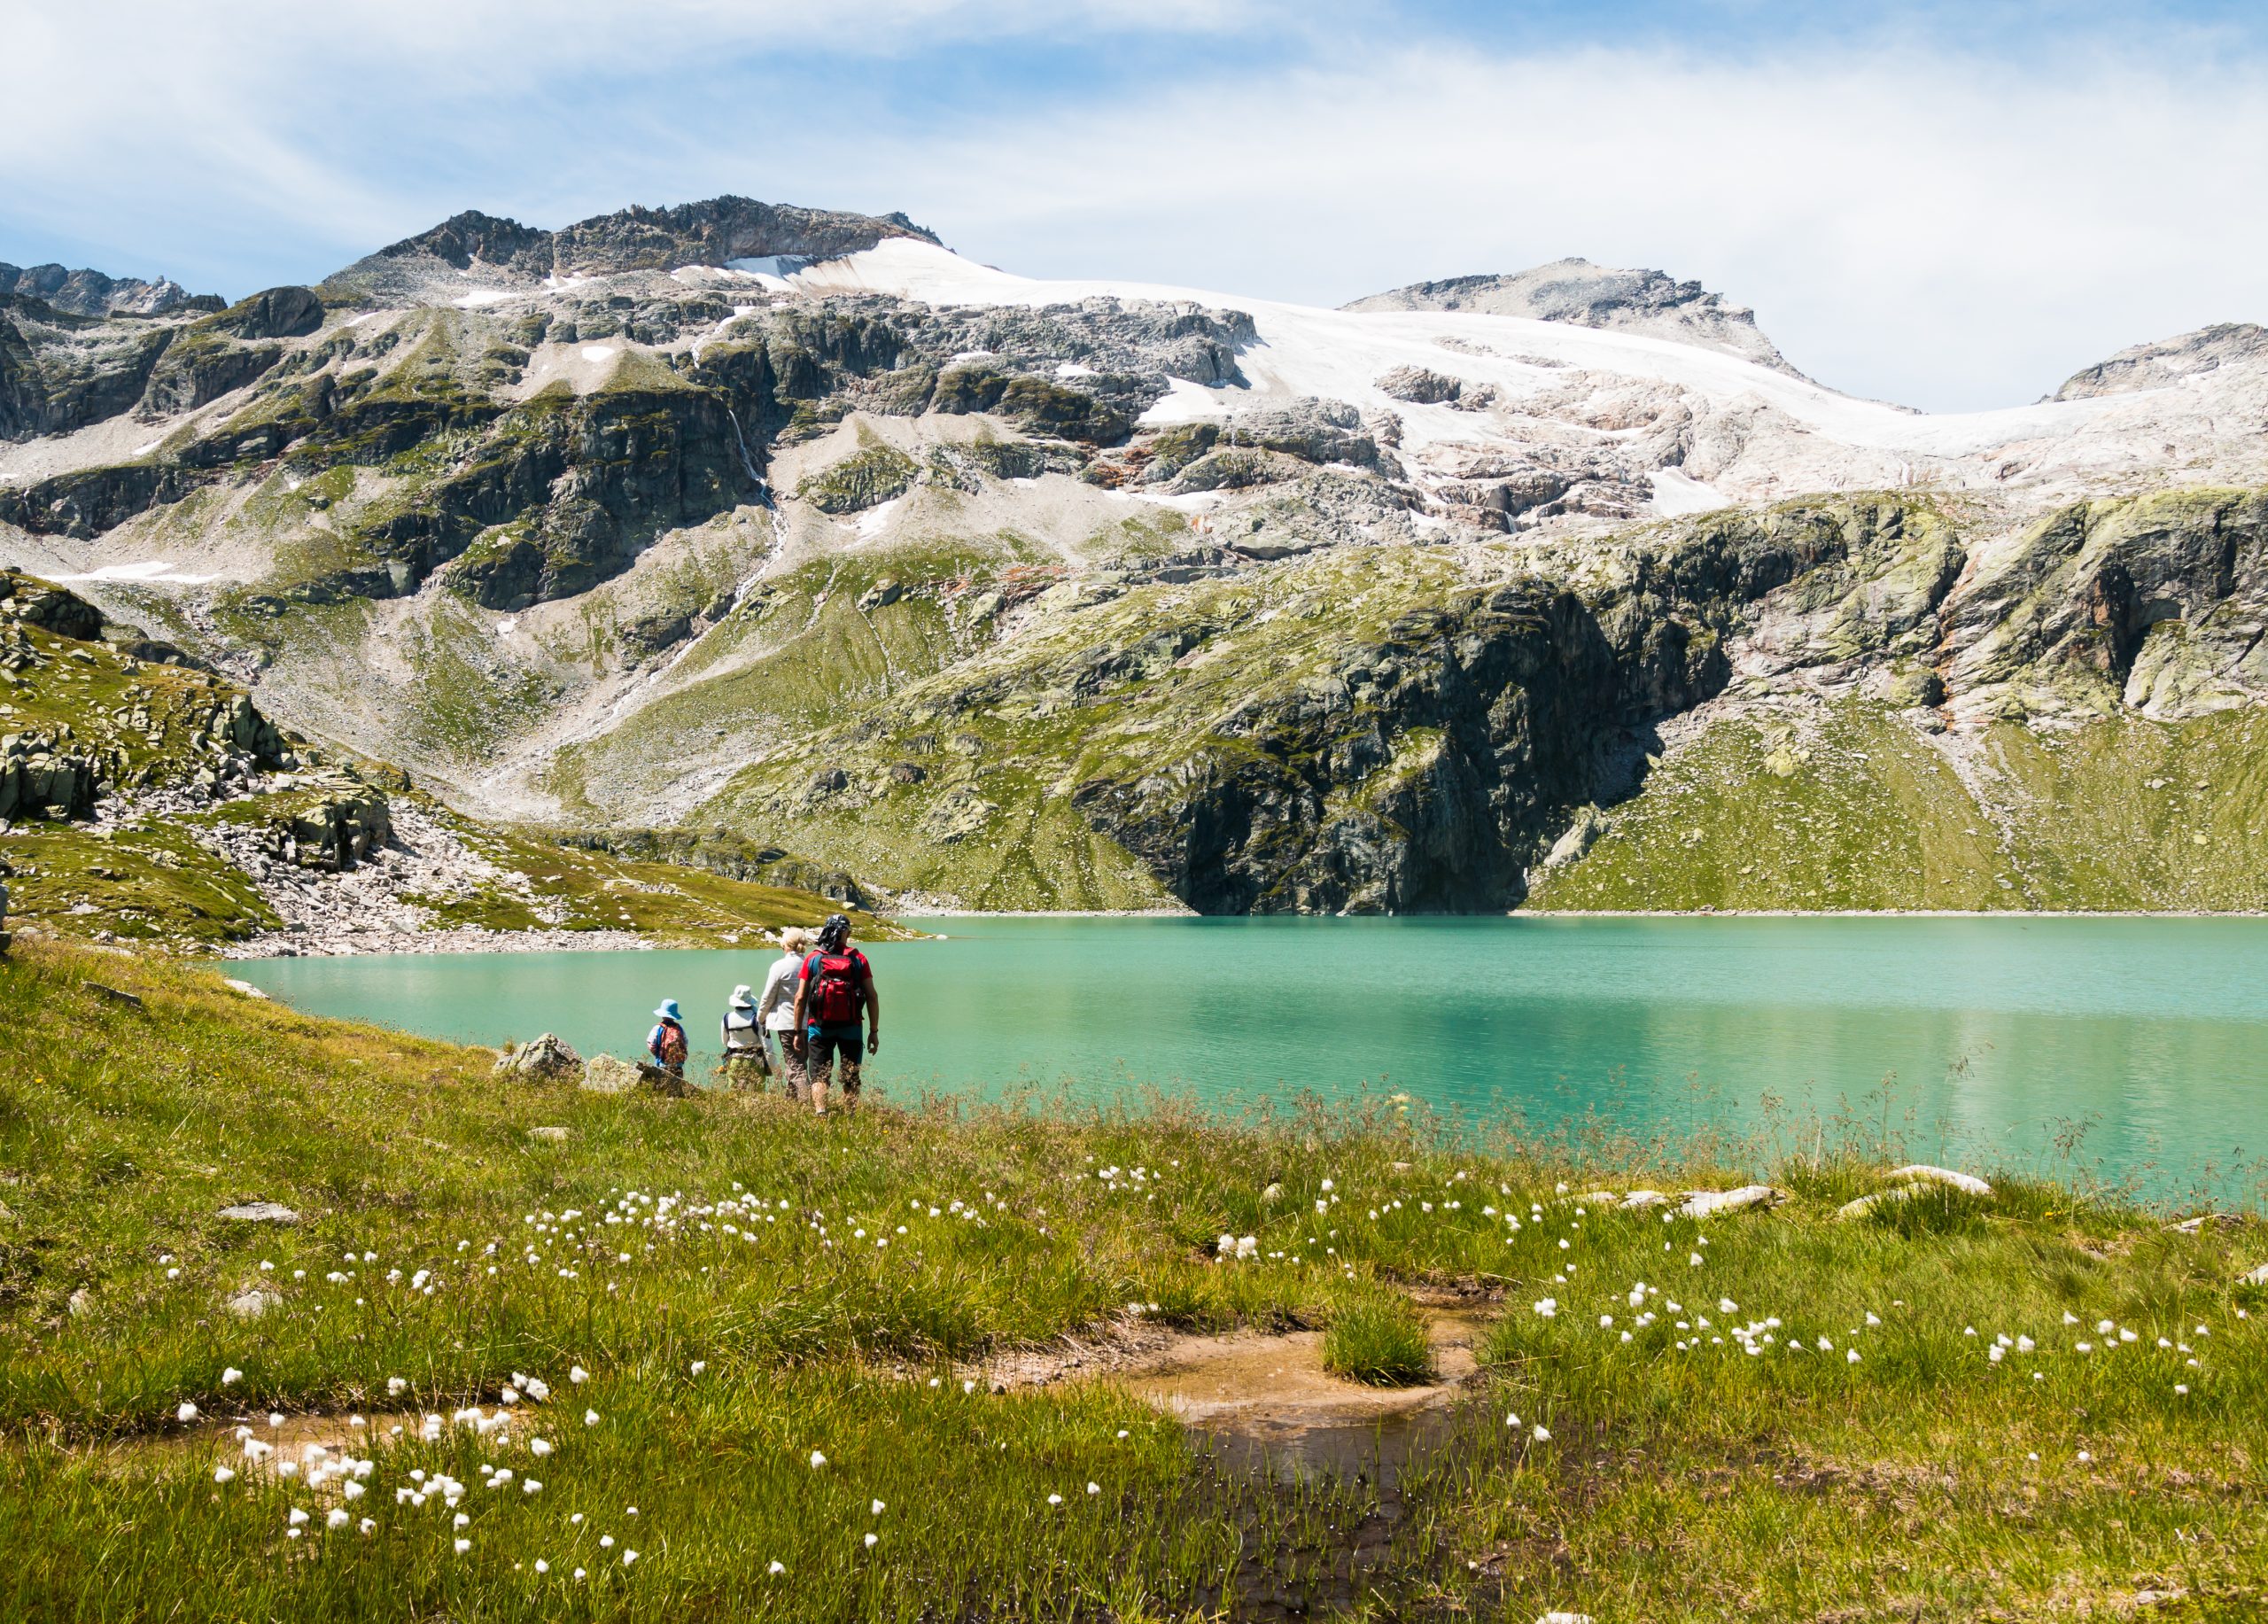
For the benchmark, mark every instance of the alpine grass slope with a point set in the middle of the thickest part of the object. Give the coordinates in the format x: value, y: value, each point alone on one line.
x: 789, y: 531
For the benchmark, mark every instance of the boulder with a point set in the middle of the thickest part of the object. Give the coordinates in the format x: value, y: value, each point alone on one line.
x: 2258, y: 1277
x: 1866, y: 1204
x: 603, y: 1074
x: 1419, y: 385
x: 1638, y: 1200
x: 1921, y: 1172
x: 1710, y: 1203
x: 260, y: 1212
x: 549, y: 1135
x: 546, y: 1060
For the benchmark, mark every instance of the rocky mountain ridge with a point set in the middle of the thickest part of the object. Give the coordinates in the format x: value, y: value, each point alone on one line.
x: 1588, y: 295
x: 89, y: 293
x: 796, y: 530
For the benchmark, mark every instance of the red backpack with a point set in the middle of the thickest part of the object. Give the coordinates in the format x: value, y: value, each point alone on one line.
x: 671, y: 1044
x: 835, y: 980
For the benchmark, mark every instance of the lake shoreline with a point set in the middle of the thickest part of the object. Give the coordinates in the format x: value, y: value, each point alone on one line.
x: 474, y: 939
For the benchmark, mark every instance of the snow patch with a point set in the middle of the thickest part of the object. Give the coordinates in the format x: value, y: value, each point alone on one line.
x: 1677, y: 493
x: 482, y: 296
x: 1182, y: 402
x: 1072, y: 368
x: 872, y: 521
x: 599, y: 354
x: 148, y: 569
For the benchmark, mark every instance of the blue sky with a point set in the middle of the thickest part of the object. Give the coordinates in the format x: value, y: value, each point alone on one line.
x: 1951, y: 206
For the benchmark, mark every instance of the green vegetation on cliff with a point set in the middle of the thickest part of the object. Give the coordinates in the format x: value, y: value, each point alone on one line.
x: 1853, y: 806
x: 794, y: 1346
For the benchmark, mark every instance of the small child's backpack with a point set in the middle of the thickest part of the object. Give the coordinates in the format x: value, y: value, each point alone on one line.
x: 833, y: 997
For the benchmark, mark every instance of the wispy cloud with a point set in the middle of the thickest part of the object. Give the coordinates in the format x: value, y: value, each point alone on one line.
x: 1939, y: 223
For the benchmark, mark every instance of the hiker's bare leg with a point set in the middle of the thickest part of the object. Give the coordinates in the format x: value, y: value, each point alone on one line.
x: 850, y: 1082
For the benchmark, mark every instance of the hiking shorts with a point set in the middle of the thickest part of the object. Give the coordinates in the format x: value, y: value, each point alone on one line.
x: 822, y: 1043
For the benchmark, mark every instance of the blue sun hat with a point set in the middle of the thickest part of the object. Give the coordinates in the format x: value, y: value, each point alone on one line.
x: 668, y: 1011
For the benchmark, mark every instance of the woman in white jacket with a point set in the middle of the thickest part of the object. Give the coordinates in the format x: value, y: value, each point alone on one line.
x: 776, y: 1007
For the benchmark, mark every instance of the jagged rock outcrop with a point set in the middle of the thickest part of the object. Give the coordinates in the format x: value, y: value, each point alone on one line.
x: 2168, y: 361
x: 2155, y: 603
x: 548, y: 1058
x: 713, y: 233
x: 334, y: 826
x: 89, y: 293
x: 1588, y: 295
x: 41, y: 777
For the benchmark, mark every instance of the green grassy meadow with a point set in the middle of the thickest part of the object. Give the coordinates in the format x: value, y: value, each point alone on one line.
x: 751, y: 1348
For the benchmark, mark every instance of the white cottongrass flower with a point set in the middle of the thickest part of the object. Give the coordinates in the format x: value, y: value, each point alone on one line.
x: 817, y: 1460
x: 700, y: 1366
x: 1693, y: 1258
x: 1512, y: 1420
x: 1546, y: 1305
x: 355, y: 1491
x: 1851, y: 1356
x: 529, y: 1485
x: 542, y: 1566
x: 2179, y: 1386
x: 1094, y: 1488
x: 1542, y: 1435
x: 876, y: 1507
x: 338, y: 1518
x: 590, y: 1417
x: 628, y: 1556
x: 606, y: 1542
x: 231, y: 1376
x: 462, y: 1546
x: 579, y: 1572
x: 187, y: 1412
x: 367, y: 1525
x: 1054, y: 1499
x: 579, y: 1375
x: 297, y: 1517
x: 2084, y: 1456
x: 872, y: 1540
x: 776, y: 1569
x: 539, y: 1445
x: 460, y: 1520
x: 224, y: 1474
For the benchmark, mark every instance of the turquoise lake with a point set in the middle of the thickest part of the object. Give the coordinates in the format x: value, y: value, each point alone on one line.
x: 2147, y: 1038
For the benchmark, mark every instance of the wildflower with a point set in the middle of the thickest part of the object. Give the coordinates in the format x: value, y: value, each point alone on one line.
x: 2084, y: 1456
x: 1542, y: 1435
x: 542, y: 1566
x: 817, y: 1460
x: 187, y: 1412
x: 460, y: 1520
x: 1512, y: 1420
x: 776, y: 1569
x: 1693, y: 1258
x: 606, y: 1542
x: 231, y: 1376
x: 1547, y: 1307
x: 578, y: 1374
x: 1054, y: 1499
x: 539, y: 1445
x: 1094, y: 1488
x: 462, y: 1546
x: 2181, y: 1387
x: 872, y: 1540
x: 579, y: 1572
x: 876, y: 1507
x: 337, y: 1520
x: 529, y: 1485
x: 628, y: 1556
x: 590, y: 1417
x: 297, y: 1516
x: 367, y: 1525
x: 700, y: 1366
x: 1851, y: 1356
x: 224, y: 1474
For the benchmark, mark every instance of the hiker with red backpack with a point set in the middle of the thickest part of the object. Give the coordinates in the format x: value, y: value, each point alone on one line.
x: 666, y: 1042
x: 835, y: 984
